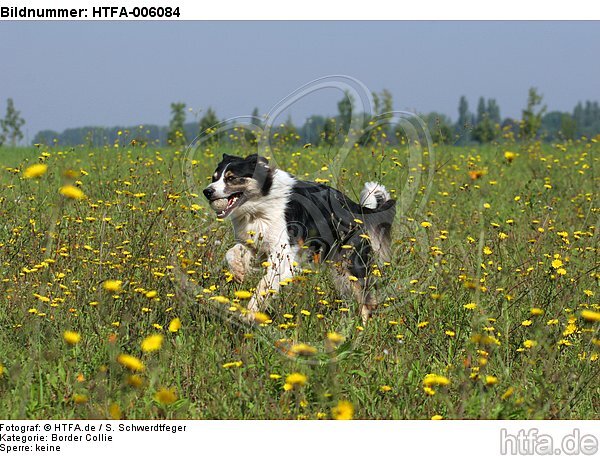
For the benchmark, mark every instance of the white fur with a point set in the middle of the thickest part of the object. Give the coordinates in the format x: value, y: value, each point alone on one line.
x: 219, y: 185
x: 263, y: 221
x: 370, y: 192
x: 260, y: 228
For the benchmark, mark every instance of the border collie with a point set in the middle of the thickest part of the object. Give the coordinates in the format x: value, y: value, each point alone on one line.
x: 277, y: 218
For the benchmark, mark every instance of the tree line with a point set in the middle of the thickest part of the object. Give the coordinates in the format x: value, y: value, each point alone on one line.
x: 484, y: 125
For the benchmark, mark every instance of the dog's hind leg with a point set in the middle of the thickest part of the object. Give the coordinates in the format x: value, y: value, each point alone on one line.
x: 239, y: 258
x: 351, y: 286
x: 352, y: 275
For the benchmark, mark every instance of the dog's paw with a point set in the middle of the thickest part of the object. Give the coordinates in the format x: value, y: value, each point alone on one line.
x: 238, y: 259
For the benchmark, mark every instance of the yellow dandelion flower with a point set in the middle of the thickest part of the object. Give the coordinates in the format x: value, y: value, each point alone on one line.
x: 1, y: 370
x: 231, y: 364
x: 508, y: 393
x: 114, y: 286
x: 450, y: 333
x: 243, y: 294
x: 71, y: 337
x: 303, y: 349
x: 80, y: 398
x: 165, y: 396
x: 429, y: 391
x: 536, y: 311
x: 295, y: 379
x: 490, y: 380
x: 509, y: 156
x: 557, y: 263
x: 526, y: 323
x: 35, y: 171
x: 437, y: 417
x: 152, y: 343
x: 385, y: 388
x: 487, y: 250
x: 71, y: 192
x: 114, y: 411
x: 435, y: 380
x: 261, y: 318
x: 335, y: 338
x: 175, y: 325
x: 135, y: 381
x: 425, y: 224
x: 529, y: 343
x: 344, y: 410
x: 131, y: 362
x: 561, y: 271
x: 590, y: 315
x: 470, y: 306
x: 588, y: 293
x: 220, y: 299
x: 151, y: 294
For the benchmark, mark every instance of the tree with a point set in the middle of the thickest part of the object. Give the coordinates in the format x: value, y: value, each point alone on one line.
x: 250, y: 135
x: 11, y: 125
x: 387, y: 102
x: 440, y: 127
x: 465, y: 120
x: 382, y: 103
x: 176, y: 135
x: 481, y: 110
x: 493, y: 111
x: 312, y: 129
x: 568, y: 127
x: 207, y: 124
x: 531, y: 120
x: 288, y: 133
x: 376, y: 104
x: 345, y: 109
x: 329, y: 132
x: 487, y: 123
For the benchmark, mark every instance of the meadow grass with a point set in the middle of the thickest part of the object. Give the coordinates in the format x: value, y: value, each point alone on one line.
x: 489, y: 309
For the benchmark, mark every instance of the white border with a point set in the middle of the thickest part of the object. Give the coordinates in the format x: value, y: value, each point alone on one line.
x: 303, y: 438
x: 348, y: 9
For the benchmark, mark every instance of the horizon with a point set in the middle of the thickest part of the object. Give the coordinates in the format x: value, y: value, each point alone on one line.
x: 126, y: 75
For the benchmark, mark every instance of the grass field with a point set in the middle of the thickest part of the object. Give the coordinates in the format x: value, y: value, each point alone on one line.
x: 493, y: 290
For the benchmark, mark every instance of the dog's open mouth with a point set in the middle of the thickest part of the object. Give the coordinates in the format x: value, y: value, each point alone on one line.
x: 224, y: 206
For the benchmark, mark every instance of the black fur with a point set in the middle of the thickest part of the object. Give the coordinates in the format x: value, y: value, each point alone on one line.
x: 323, y: 218
x: 252, y: 166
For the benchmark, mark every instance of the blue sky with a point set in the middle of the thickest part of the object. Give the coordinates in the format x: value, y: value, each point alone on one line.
x: 71, y: 74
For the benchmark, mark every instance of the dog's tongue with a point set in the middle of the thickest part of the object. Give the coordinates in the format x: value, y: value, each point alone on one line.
x: 231, y: 201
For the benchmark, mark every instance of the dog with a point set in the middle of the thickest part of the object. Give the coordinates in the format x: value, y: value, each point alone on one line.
x: 277, y: 218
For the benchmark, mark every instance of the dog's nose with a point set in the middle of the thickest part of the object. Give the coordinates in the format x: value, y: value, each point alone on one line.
x: 208, y: 192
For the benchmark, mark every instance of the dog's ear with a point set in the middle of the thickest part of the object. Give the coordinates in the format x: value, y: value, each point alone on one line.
x: 259, y: 159
x: 228, y: 159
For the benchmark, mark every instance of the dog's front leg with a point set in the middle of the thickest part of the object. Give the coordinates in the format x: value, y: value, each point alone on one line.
x: 281, y: 267
x: 239, y: 258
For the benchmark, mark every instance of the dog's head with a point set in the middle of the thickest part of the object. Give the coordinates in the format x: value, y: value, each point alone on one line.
x: 236, y: 181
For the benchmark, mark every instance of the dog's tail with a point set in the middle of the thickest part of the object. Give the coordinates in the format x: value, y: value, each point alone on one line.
x: 375, y: 197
